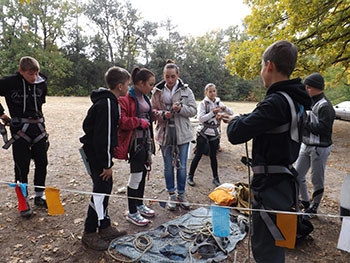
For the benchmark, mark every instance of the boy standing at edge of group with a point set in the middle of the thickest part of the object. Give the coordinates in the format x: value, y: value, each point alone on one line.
x: 275, y: 148
x: 25, y: 93
x: 101, y: 137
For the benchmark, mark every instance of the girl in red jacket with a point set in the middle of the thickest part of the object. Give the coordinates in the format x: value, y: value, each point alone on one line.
x: 135, y: 137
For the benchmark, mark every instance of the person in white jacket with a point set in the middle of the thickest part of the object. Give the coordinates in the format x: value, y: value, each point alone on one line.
x: 210, y: 112
x: 173, y: 104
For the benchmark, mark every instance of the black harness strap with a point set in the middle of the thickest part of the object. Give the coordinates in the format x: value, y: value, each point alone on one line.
x: 22, y: 133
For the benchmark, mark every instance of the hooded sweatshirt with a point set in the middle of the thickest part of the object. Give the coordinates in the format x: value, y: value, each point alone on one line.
x: 24, y: 100
x: 272, y: 112
x: 100, y: 127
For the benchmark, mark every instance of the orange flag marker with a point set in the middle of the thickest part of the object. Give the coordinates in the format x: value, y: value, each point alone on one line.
x: 54, y: 205
x: 287, y: 224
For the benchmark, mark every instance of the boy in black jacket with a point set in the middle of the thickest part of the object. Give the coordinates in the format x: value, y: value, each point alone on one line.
x: 275, y: 145
x: 25, y: 93
x: 101, y: 137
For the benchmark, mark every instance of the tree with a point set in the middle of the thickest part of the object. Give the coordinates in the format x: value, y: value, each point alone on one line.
x: 320, y: 29
x: 33, y: 29
x: 127, y: 37
x: 104, y: 13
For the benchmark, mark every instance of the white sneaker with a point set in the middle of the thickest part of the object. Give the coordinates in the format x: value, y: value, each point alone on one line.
x: 145, y: 211
x: 137, y: 219
x: 183, y: 201
x: 171, y: 204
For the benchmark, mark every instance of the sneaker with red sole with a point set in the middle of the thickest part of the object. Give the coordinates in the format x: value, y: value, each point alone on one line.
x: 146, y: 211
x: 137, y: 219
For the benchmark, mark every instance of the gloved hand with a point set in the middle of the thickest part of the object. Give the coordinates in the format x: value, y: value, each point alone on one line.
x: 144, y: 124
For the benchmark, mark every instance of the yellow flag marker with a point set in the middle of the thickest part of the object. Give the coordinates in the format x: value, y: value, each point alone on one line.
x: 54, y: 205
x: 287, y: 224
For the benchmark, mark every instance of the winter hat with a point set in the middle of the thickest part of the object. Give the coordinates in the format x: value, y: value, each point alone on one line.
x: 315, y: 80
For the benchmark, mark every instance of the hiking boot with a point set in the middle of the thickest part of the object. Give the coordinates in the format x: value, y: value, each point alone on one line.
x: 26, y: 213
x: 190, y: 180
x: 145, y: 211
x: 137, y: 219
x: 94, y: 241
x: 40, y: 201
x: 171, y: 204
x: 109, y: 233
x: 303, y: 205
x: 183, y: 201
x: 312, y: 210
x: 216, y: 181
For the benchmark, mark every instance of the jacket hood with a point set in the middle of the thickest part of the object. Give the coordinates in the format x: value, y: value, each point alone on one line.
x: 40, y: 79
x: 160, y: 85
x: 101, y: 93
x: 294, y: 88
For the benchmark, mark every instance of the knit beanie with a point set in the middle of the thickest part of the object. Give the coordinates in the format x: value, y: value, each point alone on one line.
x: 315, y: 80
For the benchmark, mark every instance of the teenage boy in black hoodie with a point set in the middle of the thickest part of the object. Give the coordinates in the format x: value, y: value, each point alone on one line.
x: 101, y: 137
x: 275, y: 148
x: 25, y: 93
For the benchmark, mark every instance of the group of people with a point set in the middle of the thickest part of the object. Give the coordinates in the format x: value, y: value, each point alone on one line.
x: 292, y: 124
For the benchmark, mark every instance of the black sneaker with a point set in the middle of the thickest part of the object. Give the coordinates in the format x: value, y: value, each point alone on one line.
x: 303, y: 205
x: 190, y: 181
x: 312, y: 210
x: 94, y: 241
x: 26, y: 213
x: 216, y: 181
x: 40, y: 201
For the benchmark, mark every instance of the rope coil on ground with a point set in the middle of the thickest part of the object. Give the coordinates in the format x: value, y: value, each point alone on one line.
x: 142, y: 244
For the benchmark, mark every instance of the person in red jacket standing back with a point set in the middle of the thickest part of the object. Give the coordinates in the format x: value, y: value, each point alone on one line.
x: 135, y: 137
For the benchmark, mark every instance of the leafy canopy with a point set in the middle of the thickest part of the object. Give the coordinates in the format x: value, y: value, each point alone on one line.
x: 319, y: 28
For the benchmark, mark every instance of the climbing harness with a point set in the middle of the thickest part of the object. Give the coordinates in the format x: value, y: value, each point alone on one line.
x: 294, y: 125
x: 25, y: 122
x: 3, y: 132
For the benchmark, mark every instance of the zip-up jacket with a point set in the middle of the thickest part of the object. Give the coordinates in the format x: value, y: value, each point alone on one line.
x: 24, y: 100
x: 319, y: 125
x: 184, y: 129
x: 128, y: 122
x: 272, y: 112
x: 101, y: 126
x: 207, y: 119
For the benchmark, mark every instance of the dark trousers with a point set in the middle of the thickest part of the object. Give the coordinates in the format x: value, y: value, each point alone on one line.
x: 138, y: 160
x: 23, y: 152
x: 276, y: 192
x: 213, y: 146
x: 99, y: 186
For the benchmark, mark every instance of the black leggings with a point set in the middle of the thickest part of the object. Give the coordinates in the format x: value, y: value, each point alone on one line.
x: 201, y: 144
x: 138, y: 159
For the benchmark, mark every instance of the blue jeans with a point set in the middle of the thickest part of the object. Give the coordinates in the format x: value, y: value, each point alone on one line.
x: 181, y: 171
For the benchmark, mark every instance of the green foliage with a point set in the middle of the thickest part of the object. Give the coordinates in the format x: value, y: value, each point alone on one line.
x: 320, y: 29
x: 32, y: 30
x: 75, y: 62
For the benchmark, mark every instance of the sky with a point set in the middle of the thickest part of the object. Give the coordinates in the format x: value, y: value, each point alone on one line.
x: 194, y: 17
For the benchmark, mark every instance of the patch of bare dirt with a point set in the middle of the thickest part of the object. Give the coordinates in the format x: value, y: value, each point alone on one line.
x: 44, y: 238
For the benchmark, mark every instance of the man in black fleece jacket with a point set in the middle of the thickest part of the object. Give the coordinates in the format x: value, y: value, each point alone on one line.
x: 275, y: 148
